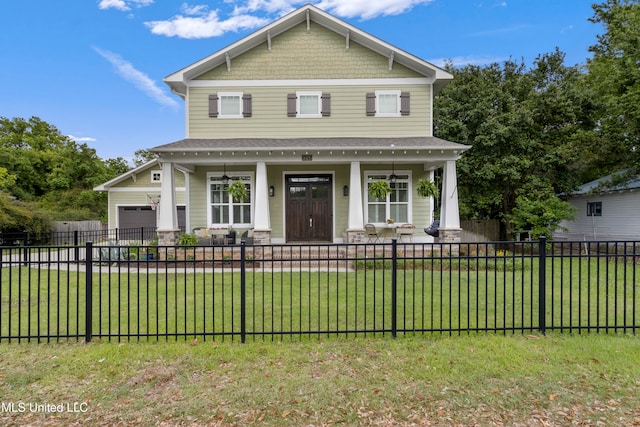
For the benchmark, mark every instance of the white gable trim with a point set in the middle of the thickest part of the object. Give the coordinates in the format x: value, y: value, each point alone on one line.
x: 318, y: 82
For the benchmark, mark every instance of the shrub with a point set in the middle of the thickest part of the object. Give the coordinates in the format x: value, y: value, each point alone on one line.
x: 188, y: 239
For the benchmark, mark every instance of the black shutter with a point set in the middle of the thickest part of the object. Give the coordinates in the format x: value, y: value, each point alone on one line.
x: 405, y: 104
x: 246, y: 105
x: 371, y: 104
x: 213, y: 105
x: 291, y: 105
x: 326, y: 104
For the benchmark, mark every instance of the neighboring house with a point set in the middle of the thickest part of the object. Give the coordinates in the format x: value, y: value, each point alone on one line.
x: 610, y: 214
x: 307, y: 112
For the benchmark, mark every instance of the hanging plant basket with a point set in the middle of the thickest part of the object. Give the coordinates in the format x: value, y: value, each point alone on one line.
x: 427, y: 188
x: 238, y: 191
x: 379, y: 189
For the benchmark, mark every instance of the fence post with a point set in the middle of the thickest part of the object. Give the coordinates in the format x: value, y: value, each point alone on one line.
x: 25, y: 247
x: 76, y: 243
x: 542, y: 285
x: 88, y: 292
x: 243, y: 296
x: 394, y: 288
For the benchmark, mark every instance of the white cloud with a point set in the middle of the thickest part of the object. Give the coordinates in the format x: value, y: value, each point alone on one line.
x: 140, y: 80
x: 81, y: 139
x: 197, y: 22
x: 461, y: 61
x: 123, y: 5
x: 270, y: 6
x: 368, y: 9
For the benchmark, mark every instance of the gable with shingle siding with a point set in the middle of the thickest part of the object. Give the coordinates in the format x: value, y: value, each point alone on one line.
x: 317, y: 54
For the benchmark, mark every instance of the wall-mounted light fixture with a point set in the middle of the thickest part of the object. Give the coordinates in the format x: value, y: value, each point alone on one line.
x: 345, y: 191
x: 272, y: 191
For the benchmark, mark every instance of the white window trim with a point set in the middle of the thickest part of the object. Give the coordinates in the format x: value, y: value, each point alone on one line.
x: 365, y: 197
x: 318, y: 94
x: 397, y: 93
x: 239, y: 95
x: 231, y: 175
x: 153, y: 174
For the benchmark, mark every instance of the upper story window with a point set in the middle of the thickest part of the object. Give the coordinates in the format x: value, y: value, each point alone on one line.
x: 594, y: 208
x: 308, y: 104
x: 229, y: 105
x: 388, y: 103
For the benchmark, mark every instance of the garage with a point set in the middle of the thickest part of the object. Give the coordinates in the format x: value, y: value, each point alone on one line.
x: 144, y: 216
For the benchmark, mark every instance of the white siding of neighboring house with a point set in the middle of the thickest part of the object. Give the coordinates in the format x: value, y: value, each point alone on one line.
x: 620, y: 218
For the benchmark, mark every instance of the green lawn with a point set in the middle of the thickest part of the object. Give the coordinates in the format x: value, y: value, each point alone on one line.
x: 445, y: 295
x: 484, y: 380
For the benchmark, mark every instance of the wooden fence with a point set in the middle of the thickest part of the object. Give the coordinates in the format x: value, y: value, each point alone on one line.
x: 484, y: 230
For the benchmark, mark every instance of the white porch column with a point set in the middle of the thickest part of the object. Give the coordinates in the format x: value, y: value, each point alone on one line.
x: 262, y: 219
x: 356, y: 217
x: 167, y: 217
x: 449, y: 213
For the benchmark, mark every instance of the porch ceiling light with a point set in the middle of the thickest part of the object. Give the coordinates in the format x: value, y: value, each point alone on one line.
x: 225, y: 177
x: 393, y: 176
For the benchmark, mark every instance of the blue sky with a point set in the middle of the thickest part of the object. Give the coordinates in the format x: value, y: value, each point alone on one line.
x: 94, y: 68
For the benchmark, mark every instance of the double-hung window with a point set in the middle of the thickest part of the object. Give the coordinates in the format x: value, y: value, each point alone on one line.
x: 388, y: 103
x: 230, y: 105
x: 309, y: 104
x: 224, y: 209
x: 394, y: 206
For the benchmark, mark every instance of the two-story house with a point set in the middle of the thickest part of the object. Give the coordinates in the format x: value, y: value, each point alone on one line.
x: 307, y: 112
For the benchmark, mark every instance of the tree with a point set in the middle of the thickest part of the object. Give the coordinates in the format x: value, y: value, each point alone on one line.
x: 143, y: 156
x: 538, y: 210
x: 521, y: 123
x: 614, y: 74
x: 48, y: 168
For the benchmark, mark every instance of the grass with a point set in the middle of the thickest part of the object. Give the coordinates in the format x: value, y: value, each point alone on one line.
x: 480, y: 380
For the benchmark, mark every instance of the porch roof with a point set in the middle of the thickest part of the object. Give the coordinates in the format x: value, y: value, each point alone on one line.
x: 340, y: 143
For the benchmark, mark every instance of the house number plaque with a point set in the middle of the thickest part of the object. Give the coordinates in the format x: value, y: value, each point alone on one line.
x: 307, y: 157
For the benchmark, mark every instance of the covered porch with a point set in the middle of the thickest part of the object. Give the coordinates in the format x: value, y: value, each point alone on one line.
x: 308, y: 190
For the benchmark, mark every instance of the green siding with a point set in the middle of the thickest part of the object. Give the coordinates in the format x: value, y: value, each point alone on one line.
x: 275, y: 176
x: 143, y: 179
x: 317, y: 54
x: 348, y: 114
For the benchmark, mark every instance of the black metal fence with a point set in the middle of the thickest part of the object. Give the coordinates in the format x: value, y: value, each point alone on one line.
x: 78, y: 237
x: 297, y: 292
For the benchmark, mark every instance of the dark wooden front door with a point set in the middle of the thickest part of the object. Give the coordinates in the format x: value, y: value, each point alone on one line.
x: 309, y: 209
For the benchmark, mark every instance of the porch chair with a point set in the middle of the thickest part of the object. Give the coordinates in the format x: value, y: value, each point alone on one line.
x: 405, y: 230
x: 248, y: 240
x: 372, y: 233
x: 203, y: 236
